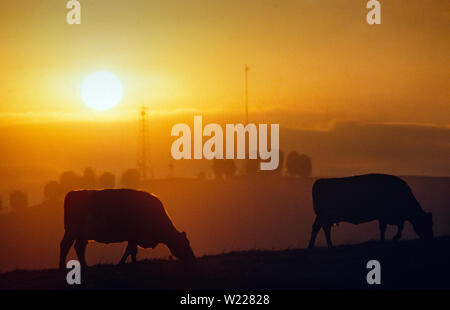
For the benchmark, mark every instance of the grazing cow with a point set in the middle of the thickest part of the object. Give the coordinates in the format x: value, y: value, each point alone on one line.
x: 366, y: 198
x: 118, y: 215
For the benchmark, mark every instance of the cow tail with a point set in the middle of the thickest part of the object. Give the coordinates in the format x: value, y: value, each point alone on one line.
x: 66, y: 211
x: 315, y: 196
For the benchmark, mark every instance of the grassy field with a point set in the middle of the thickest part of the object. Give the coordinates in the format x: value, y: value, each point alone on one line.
x: 411, y: 264
x: 270, y: 213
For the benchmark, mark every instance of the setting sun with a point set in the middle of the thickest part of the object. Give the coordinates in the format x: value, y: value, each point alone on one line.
x: 213, y: 152
x: 101, y: 90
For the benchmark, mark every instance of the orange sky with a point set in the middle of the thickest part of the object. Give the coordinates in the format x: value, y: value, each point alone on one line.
x: 357, y: 98
x: 317, y: 58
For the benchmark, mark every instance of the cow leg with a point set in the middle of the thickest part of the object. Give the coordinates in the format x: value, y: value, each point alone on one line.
x: 383, y: 227
x: 125, y: 256
x: 65, y: 245
x: 399, y: 232
x: 80, y: 248
x: 133, y: 252
x: 130, y: 250
x: 327, y: 230
x: 315, y: 229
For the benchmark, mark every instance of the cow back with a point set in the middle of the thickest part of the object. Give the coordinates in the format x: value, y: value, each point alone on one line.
x: 114, y: 215
x: 363, y: 198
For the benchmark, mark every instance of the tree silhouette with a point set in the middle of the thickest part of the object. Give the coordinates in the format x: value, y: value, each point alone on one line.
x: 278, y: 170
x: 18, y: 200
x: 69, y: 181
x: 107, y: 180
x: 52, y: 190
x: 298, y: 165
x: 88, y: 180
x: 223, y: 168
x: 131, y: 178
x: 253, y: 167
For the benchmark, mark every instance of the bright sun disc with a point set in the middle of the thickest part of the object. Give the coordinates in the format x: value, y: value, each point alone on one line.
x: 101, y: 90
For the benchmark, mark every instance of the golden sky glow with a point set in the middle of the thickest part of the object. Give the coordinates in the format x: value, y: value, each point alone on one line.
x: 356, y: 98
x: 309, y: 57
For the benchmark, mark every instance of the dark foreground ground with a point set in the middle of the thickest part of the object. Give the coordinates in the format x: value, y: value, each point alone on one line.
x: 412, y: 264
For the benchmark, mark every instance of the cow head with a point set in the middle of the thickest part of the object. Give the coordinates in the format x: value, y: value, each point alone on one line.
x: 423, y: 225
x: 181, y: 248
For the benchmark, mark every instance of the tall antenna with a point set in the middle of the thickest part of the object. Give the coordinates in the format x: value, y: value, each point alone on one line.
x: 144, y: 163
x: 246, y: 94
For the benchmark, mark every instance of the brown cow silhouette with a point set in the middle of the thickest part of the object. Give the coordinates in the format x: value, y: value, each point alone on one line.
x: 365, y: 198
x: 118, y: 215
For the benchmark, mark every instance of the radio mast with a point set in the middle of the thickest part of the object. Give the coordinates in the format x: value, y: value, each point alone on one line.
x: 246, y: 94
x: 144, y: 164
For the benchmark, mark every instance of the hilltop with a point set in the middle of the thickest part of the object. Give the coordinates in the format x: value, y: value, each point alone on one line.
x: 411, y: 264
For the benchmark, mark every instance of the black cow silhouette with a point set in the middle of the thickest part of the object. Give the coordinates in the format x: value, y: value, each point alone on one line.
x: 118, y: 215
x: 365, y: 198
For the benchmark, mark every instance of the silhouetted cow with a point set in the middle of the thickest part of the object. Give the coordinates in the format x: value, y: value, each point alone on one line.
x: 116, y: 216
x: 365, y: 198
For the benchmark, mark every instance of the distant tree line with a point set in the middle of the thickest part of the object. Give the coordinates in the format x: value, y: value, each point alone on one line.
x: 296, y: 166
x: 69, y: 180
